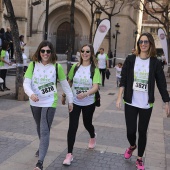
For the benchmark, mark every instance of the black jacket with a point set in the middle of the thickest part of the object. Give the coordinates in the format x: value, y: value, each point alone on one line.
x: 155, y: 73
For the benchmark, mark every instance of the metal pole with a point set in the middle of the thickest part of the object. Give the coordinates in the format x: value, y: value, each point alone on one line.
x: 46, y: 20
x: 114, y: 60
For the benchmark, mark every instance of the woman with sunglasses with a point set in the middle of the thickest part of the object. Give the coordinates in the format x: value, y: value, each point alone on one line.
x: 83, y: 87
x: 40, y: 85
x: 139, y: 73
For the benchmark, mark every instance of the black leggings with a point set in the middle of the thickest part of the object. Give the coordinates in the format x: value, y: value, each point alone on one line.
x: 103, y: 71
x: 3, y: 73
x: 87, y: 112
x: 131, y: 114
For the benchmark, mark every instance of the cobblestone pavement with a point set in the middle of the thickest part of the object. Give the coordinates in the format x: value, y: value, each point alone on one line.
x: 19, y: 141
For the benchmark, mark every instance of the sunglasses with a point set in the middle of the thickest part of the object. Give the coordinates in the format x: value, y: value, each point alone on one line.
x: 47, y: 51
x: 82, y: 51
x: 145, y: 42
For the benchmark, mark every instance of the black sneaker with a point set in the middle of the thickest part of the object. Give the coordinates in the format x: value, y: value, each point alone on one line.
x: 39, y: 165
x: 37, y: 154
x: 6, y: 88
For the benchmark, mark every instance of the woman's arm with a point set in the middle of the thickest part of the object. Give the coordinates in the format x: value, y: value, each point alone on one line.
x: 119, y: 97
x: 67, y: 90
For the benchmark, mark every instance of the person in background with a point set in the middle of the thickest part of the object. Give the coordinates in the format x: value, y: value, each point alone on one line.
x: 2, y: 36
x: 4, y: 61
x: 22, y: 45
x: 9, y: 38
x: 40, y: 85
x: 118, y: 68
x: 84, y: 87
x: 138, y: 76
x: 21, y: 38
x: 103, y: 63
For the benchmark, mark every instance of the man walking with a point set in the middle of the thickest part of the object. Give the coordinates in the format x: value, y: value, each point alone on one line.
x: 103, y: 63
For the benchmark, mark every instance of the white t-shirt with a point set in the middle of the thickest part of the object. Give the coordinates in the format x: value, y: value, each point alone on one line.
x: 83, y: 82
x: 118, y: 71
x: 140, y: 84
x: 43, y: 83
x: 102, y: 60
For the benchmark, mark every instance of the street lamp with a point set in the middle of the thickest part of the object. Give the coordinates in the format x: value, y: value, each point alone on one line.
x: 98, y: 13
x: 115, y: 36
x: 36, y: 3
x: 135, y: 34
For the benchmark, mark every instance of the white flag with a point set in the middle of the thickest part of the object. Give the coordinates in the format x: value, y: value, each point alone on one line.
x: 163, y: 40
x: 101, y: 32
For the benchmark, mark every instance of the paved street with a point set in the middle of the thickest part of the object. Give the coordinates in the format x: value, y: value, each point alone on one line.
x: 19, y: 141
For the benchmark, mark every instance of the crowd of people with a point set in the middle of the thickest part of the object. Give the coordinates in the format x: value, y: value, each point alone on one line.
x: 136, y: 79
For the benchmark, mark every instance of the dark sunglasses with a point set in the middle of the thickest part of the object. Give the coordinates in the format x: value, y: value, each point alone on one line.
x: 145, y: 42
x: 82, y: 51
x: 47, y: 51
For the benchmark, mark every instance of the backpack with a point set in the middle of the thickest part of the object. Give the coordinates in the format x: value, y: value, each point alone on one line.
x: 97, y: 94
x: 56, y: 68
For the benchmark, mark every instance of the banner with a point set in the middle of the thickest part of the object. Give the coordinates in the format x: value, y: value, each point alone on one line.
x: 163, y: 40
x: 101, y: 32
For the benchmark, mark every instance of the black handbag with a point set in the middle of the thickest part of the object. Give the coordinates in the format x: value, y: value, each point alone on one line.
x: 107, y: 73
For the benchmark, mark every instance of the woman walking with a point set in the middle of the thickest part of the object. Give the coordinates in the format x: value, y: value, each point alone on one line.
x: 40, y: 85
x: 138, y: 76
x: 84, y: 84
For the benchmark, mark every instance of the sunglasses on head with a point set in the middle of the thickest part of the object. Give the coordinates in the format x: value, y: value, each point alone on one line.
x: 82, y: 51
x: 47, y: 51
x: 143, y: 41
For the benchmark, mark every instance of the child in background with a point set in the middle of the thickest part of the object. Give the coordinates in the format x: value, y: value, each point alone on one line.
x: 118, y: 68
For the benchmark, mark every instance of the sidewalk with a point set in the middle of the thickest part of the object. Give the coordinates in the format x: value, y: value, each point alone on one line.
x: 19, y: 141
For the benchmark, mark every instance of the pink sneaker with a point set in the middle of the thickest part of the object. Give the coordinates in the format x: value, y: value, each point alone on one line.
x: 92, y: 142
x: 128, y: 152
x: 139, y: 164
x: 68, y: 159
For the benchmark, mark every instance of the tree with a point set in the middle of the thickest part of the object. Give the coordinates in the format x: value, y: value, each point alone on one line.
x: 18, y: 53
x: 160, y: 11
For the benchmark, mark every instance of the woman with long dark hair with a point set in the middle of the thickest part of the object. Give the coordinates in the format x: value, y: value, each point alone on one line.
x: 84, y: 85
x: 40, y: 85
x: 138, y: 76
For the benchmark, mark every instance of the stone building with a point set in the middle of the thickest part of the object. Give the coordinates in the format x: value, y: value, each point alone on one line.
x: 31, y: 22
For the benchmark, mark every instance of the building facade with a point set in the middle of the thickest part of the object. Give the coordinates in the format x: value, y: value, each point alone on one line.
x: 31, y: 23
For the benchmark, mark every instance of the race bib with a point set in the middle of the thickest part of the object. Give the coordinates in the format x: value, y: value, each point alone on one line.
x: 78, y: 90
x: 140, y: 85
x: 47, y: 89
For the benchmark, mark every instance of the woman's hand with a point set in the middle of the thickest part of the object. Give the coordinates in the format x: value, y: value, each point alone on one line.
x: 118, y: 103
x: 63, y: 100
x: 81, y: 95
x: 70, y: 107
x: 34, y: 98
x: 167, y: 109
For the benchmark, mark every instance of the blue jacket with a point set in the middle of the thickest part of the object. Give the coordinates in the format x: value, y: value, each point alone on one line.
x: 155, y: 74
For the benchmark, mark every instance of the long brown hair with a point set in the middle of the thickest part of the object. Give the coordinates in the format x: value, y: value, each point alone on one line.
x: 37, y: 57
x: 152, y: 49
x: 93, y: 60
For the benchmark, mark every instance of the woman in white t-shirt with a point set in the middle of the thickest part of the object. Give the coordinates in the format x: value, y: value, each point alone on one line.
x: 84, y: 85
x: 137, y: 85
x: 40, y: 85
